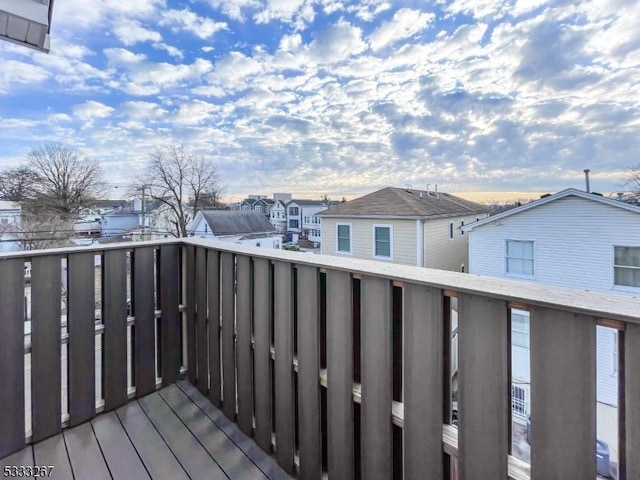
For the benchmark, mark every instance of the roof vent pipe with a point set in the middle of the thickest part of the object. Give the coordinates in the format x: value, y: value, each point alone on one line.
x: 586, y: 179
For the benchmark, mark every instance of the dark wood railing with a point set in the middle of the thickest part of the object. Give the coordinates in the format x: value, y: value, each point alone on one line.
x: 333, y: 364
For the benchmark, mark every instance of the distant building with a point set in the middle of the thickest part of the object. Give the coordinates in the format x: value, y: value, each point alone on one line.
x: 406, y: 226
x: 302, y: 219
x: 26, y: 22
x: 243, y: 227
x: 10, y: 221
x: 257, y: 203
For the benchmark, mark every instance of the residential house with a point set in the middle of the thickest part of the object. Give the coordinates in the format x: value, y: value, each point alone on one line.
x: 278, y: 216
x: 303, y: 221
x: 26, y: 23
x: 574, y: 239
x: 258, y: 203
x: 246, y: 228
x: 406, y: 226
x: 10, y: 219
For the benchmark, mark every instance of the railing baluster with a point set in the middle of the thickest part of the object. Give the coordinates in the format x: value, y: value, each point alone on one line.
x: 243, y: 345
x: 377, y: 393
x: 169, y: 305
x: 261, y: 353
x: 632, y: 398
x: 423, y: 361
x: 190, y: 301
x: 563, y: 395
x: 310, y: 449
x: 339, y: 376
x: 201, y: 321
x: 114, y: 301
x: 228, y: 343
x: 82, y: 334
x: 46, y: 347
x: 283, y: 323
x: 144, y: 309
x: 483, y: 388
x: 12, y: 406
x: 213, y: 303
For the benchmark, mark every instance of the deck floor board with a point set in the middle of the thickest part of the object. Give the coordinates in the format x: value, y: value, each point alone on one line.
x: 173, y: 434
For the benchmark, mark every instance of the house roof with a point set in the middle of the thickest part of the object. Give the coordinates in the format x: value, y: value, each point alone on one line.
x: 225, y: 222
x: 569, y: 192
x: 393, y: 202
x: 304, y: 201
x: 8, y: 205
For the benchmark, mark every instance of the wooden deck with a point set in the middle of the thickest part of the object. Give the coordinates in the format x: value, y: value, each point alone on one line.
x: 174, y: 433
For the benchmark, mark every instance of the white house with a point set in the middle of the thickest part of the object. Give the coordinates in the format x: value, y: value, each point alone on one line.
x: 278, y: 216
x: 10, y: 219
x: 574, y: 239
x: 246, y: 228
x: 397, y: 225
x: 303, y: 221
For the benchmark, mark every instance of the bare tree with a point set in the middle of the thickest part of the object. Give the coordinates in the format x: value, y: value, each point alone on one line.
x: 633, y: 182
x: 65, y: 181
x: 44, y: 229
x: 18, y: 184
x: 181, y: 181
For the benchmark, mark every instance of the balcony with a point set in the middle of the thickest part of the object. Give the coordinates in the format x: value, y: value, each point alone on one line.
x: 204, y: 357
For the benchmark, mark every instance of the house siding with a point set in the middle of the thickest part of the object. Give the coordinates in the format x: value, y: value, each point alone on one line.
x: 444, y: 253
x: 573, y: 243
x: 404, y: 238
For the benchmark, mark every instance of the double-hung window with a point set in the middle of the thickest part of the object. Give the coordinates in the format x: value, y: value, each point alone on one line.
x: 626, y: 266
x: 344, y: 238
x: 382, y: 241
x: 519, y: 259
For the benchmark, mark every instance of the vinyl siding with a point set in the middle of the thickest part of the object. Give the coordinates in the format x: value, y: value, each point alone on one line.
x: 573, y: 243
x: 404, y: 238
x: 443, y: 253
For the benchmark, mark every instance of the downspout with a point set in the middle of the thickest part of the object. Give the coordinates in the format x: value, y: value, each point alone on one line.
x: 420, y: 243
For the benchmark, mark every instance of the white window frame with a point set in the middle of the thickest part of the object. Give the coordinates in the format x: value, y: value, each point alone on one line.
x: 294, y: 220
x: 373, y: 250
x: 342, y: 252
x: 506, y: 259
x: 627, y: 288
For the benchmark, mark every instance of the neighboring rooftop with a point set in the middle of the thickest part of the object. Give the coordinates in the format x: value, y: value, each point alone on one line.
x: 405, y: 203
x: 569, y: 192
x: 225, y: 222
x: 305, y: 201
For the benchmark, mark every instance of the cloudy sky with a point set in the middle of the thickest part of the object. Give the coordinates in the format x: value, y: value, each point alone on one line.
x: 338, y: 96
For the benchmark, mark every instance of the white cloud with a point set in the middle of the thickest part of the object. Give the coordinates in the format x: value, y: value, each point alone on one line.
x: 194, y: 112
x: 368, y: 10
x: 235, y: 9
x: 186, y: 20
x: 92, y: 109
x: 337, y: 42
x: 173, y: 51
x: 15, y: 72
x: 404, y: 24
x: 131, y: 32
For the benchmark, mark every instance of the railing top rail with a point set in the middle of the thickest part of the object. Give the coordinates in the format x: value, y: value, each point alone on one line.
x: 608, y: 305
x: 599, y: 304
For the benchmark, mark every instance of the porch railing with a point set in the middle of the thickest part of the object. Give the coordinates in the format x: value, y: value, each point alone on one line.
x: 333, y: 364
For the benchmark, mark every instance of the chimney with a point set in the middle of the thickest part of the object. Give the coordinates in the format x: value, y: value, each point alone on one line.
x: 620, y: 195
x: 586, y: 178
x: 436, y: 192
x: 428, y: 189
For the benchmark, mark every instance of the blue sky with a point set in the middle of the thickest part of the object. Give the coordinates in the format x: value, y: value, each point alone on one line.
x: 338, y: 96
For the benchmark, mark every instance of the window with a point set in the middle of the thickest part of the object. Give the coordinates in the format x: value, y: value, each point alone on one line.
x: 382, y: 241
x: 626, y: 266
x: 450, y: 230
x: 461, y: 230
x: 245, y: 207
x: 520, y: 258
x: 293, y: 224
x: 344, y: 238
x: 293, y: 210
x: 258, y: 208
x: 520, y: 328
x: 4, y: 221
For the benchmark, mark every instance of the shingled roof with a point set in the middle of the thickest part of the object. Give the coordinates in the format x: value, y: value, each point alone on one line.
x: 405, y: 203
x: 224, y: 222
